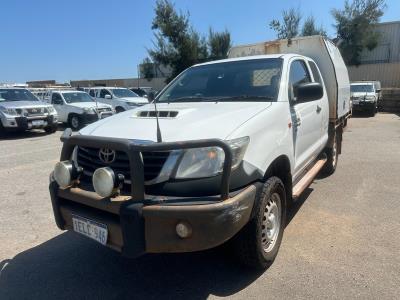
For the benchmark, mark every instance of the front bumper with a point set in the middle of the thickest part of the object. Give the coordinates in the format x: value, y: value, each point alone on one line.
x: 138, y: 223
x: 149, y: 226
x: 361, y: 105
x: 27, y: 123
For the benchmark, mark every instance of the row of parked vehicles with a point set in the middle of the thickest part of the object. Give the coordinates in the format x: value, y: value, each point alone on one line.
x: 20, y: 109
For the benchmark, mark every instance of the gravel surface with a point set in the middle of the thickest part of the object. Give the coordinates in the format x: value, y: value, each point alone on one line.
x: 342, y: 240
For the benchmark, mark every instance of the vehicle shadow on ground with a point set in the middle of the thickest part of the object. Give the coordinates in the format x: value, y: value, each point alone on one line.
x: 69, y: 267
x: 361, y: 114
x: 23, y: 135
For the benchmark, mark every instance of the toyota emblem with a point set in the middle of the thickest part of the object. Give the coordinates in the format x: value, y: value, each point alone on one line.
x: 107, y: 155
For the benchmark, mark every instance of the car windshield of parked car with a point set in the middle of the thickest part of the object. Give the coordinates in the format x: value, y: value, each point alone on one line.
x: 364, y: 88
x: 245, y: 80
x: 16, y: 95
x: 122, y: 93
x: 77, y: 97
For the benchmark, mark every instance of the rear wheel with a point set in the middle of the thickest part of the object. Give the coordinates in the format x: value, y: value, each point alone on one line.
x: 332, y: 158
x: 257, y: 244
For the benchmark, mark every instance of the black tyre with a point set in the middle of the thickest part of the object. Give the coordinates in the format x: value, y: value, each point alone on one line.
x: 332, y: 158
x: 257, y: 244
x: 50, y: 129
x: 2, y: 130
x: 75, y: 122
x: 373, y: 111
x: 119, y: 109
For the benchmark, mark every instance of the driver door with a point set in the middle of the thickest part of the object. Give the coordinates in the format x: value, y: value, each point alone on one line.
x: 59, y: 105
x: 306, y: 118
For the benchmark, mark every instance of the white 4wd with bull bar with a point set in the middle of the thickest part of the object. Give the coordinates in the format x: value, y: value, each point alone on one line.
x: 219, y: 156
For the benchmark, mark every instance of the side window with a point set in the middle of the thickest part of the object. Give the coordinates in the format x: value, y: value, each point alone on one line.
x: 92, y: 93
x: 56, y: 99
x: 298, y: 75
x: 103, y: 93
x: 315, y: 72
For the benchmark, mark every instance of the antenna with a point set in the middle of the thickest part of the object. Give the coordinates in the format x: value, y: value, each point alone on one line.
x: 159, y: 138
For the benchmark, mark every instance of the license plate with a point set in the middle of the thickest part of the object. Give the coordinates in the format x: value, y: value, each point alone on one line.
x: 90, y: 229
x: 37, y: 123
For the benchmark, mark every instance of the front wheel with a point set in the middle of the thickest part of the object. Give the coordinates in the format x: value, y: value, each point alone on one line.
x: 74, y: 122
x: 50, y: 129
x: 257, y: 244
x: 119, y: 109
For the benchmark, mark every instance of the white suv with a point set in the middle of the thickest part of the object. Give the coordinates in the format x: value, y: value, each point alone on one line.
x: 120, y: 98
x: 77, y: 108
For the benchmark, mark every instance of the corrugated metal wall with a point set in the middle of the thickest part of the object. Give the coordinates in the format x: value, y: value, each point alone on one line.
x: 388, y: 74
x: 388, y: 49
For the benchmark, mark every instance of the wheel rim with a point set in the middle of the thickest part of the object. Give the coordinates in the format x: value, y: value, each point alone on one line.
x: 334, y: 153
x: 75, y: 122
x: 271, y: 224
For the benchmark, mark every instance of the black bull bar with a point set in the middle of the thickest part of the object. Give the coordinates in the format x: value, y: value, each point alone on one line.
x: 133, y: 150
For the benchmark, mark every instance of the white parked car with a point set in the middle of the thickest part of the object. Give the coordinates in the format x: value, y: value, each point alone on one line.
x: 20, y: 110
x: 230, y: 145
x: 120, y: 98
x: 77, y: 108
x: 365, y: 96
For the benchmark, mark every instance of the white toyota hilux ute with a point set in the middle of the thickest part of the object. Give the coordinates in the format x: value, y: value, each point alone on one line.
x: 120, y: 98
x: 218, y: 156
x: 77, y: 108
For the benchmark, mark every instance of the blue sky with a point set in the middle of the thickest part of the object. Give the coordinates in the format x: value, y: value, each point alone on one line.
x: 94, y: 39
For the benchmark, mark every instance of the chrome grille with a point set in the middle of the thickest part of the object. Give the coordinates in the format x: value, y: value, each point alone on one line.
x: 89, y: 160
x: 35, y: 111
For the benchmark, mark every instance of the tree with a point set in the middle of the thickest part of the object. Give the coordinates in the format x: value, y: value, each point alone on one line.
x: 178, y: 45
x: 289, y: 28
x: 219, y: 44
x: 355, y: 27
x: 309, y: 28
x: 147, y: 69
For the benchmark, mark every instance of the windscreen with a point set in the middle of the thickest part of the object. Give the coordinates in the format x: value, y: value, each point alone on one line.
x: 16, y: 95
x: 121, y: 93
x: 77, y: 97
x: 358, y: 88
x: 246, y: 80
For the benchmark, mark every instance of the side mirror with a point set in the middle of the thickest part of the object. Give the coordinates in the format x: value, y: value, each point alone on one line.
x: 309, y: 92
x: 150, y: 97
x: 378, y: 90
x: 107, y: 96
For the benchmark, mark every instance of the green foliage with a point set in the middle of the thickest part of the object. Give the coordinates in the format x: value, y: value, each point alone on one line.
x: 309, y: 28
x: 219, y: 44
x: 355, y: 27
x: 178, y: 45
x: 289, y: 27
x: 147, y: 69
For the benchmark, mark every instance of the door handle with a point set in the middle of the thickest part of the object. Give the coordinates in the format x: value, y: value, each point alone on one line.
x: 319, y: 109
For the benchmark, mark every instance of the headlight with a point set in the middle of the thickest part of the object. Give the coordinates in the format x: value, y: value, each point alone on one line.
x: 63, y: 173
x: 370, y: 98
x: 9, y: 111
x: 209, y: 161
x: 106, y: 183
x: 88, y: 110
x: 51, y: 109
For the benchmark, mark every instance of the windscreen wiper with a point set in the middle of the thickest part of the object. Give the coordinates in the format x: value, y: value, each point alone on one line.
x: 241, y: 97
